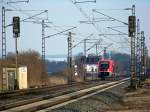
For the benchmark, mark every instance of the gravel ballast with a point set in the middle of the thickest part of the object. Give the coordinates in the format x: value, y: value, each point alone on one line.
x: 101, y: 102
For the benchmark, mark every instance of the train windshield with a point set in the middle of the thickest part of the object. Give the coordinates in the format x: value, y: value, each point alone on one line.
x: 104, y: 65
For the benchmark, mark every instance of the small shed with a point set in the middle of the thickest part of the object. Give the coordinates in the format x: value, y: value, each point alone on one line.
x: 12, y: 80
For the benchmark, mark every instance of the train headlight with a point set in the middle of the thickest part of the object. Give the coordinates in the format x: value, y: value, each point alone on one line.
x: 76, y: 74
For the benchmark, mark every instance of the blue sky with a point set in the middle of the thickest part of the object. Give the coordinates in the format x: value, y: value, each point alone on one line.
x: 64, y: 14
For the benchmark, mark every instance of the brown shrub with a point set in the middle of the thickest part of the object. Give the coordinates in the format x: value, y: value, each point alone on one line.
x: 37, y: 75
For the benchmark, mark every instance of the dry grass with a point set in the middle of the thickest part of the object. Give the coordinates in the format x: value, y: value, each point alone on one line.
x: 136, y: 101
x: 55, y: 80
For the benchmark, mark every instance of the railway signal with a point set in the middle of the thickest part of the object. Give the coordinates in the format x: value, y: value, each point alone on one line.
x: 131, y: 25
x: 16, y: 32
x: 16, y: 26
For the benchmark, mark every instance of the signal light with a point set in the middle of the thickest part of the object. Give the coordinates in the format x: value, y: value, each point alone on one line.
x: 132, y: 25
x: 16, y: 25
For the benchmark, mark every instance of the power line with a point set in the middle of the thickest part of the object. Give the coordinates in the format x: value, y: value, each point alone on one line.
x: 23, y: 11
x: 113, y: 9
x: 109, y: 17
x: 31, y: 17
x: 18, y: 1
x: 94, y: 45
x: 81, y: 41
x: 88, y: 1
x: 89, y: 19
x: 59, y: 32
x: 117, y: 31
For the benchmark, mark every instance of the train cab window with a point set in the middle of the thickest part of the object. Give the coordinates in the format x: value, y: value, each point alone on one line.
x: 104, y: 65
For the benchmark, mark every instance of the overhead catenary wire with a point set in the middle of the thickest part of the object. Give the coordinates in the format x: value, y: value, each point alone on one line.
x: 112, y: 28
x: 110, y: 17
x: 87, y: 1
x: 113, y: 9
x: 59, y: 32
x: 98, y: 42
x: 27, y: 1
x: 28, y: 18
x: 89, y: 19
x: 117, y: 31
x: 81, y: 41
x: 22, y: 11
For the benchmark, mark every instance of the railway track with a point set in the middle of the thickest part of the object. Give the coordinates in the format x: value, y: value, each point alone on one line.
x: 54, y: 101
x: 34, y: 95
x: 8, y: 94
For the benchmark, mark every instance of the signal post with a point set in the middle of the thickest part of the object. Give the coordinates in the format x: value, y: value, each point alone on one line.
x: 16, y: 34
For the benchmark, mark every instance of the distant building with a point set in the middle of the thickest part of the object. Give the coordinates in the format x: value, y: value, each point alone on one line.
x: 87, y: 66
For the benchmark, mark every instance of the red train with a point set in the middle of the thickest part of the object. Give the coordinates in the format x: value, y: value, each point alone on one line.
x: 105, y: 68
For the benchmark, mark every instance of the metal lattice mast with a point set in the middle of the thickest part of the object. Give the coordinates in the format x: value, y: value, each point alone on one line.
x: 70, y: 55
x: 133, y: 57
x: 85, y: 47
x: 104, y: 55
x: 146, y: 61
x: 3, y: 48
x: 142, y: 55
x: 69, y: 50
x: 3, y: 34
x: 138, y: 51
x: 43, y: 41
x: 96, y: 49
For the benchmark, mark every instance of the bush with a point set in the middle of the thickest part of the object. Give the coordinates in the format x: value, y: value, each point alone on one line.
x: 37, y: 75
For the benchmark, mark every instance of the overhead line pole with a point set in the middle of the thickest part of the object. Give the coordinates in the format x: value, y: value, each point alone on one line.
x: 145, y: 61
x: 138, y: 52
x: 43, y: 39
x: 69, y: 39
x: 3, y: 34
x: 85, y: 47
x: 43, y: 42
x: 142, y: 56
x: 3, y: 48
x: 133, y: 58
x: 96, y: 49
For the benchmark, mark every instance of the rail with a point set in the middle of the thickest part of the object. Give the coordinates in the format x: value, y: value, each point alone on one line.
x: 57, y: 101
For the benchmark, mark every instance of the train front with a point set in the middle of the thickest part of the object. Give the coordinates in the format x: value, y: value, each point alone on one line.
x: 105, y: 68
